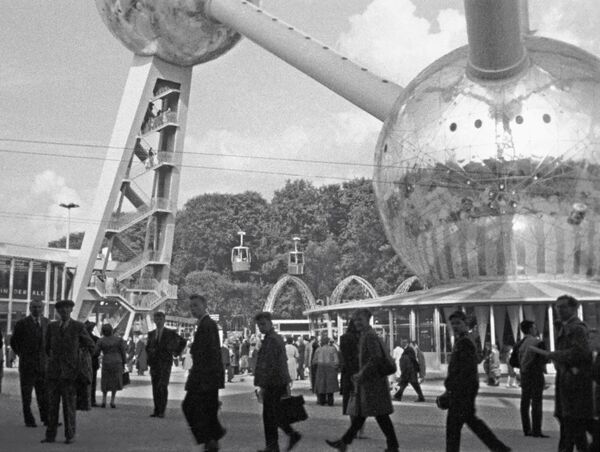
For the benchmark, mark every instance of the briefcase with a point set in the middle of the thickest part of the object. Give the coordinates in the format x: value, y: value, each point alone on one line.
x: 291, y: 409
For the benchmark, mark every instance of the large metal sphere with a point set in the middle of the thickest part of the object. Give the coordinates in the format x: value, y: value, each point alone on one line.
x: 480, y: 180
x: 176, y: 31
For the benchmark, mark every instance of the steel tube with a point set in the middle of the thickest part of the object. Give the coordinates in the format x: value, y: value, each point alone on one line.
x: 496, y: 48
x: 354, y: 83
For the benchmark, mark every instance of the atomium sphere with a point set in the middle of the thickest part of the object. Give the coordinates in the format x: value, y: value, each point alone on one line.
x: 177, y: 31
x: 496, y: 180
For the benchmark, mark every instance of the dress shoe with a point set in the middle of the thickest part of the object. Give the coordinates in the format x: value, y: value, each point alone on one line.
x: 69, y: 440
x: 540, y: 435
x: 103, y: 405
x: 340, y: 445
x: 112, y: 405
x: 154, y: 415
x: 161, y: 415
x: 48, y: 440
x: 528, y: 434
x: 31, y: 424
x: 295, y: 437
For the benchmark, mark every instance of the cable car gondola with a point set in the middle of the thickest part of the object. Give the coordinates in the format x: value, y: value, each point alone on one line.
x: 240, y: 256
x: 296, y: 260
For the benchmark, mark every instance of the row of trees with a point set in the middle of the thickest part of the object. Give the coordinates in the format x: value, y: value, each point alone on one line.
x: 339, y: 227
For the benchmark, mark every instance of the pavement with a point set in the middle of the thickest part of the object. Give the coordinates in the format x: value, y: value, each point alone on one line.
x: 419, y: 426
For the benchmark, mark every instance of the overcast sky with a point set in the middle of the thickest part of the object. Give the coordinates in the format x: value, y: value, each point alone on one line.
x: 62, y: 75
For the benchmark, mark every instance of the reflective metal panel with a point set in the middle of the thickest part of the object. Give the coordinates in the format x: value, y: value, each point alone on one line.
x: 496, y: 179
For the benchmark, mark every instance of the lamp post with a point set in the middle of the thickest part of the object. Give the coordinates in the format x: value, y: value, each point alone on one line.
x: 69, y: 206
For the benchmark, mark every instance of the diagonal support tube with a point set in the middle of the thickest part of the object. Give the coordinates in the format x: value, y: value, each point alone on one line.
x: 354, y: 83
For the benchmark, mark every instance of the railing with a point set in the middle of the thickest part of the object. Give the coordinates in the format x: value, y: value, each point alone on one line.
x: 160, y: 291
x: 124, y: 220
x: 158, y: 121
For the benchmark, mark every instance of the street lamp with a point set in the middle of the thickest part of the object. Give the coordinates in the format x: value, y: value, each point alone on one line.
x: 69, y: 206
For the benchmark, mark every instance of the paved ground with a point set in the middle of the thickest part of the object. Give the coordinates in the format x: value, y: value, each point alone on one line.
x: 420, y: 427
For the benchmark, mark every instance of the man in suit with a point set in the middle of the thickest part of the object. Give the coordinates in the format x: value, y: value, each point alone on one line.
x: 163, y: 345
x: 28, y: 342
x: 201, y: 403
x: 573, y: 404
x: 272, y: 377
x: 89, y: 326
x: 532, y: 367
x: 462, y: 385
x: 64, y: 338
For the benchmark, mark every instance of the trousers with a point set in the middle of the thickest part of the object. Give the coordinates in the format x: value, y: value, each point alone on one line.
x: 462, y: 411
x: 573, y: 434
x: 160, y: 376
x: 30, y: 382
x: 66, y: 391
x: 201, y: 412
x: 532, y: 388
x: 404, y: 383
x: 271, y: 418
x: 385, y: 424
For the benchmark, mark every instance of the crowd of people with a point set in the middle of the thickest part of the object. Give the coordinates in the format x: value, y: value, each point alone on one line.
x: 59, y: 360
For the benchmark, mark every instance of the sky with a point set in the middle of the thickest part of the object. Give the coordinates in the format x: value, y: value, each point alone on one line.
x: 62, y: 75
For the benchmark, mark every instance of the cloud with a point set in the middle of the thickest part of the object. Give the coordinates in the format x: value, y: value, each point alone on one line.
x: 392, y: 41
x: 346, y: 137
x: 572, y: 22
x: 42, y: 219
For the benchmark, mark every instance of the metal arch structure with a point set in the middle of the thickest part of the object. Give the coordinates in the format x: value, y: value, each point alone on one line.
x: 405, y: 285
x: 307, y: 297
x: 336, y: 295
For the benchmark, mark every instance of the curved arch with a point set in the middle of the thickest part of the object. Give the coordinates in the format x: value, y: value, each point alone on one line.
x: 336, y: 295
x: 307, y: 296
x: 405, y: 286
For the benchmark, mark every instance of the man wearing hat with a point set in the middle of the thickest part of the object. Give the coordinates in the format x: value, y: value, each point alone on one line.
x: 64, y: 338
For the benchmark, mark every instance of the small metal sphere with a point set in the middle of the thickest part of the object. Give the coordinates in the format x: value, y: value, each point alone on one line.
x: 497, y: 179
x: 176, y: 31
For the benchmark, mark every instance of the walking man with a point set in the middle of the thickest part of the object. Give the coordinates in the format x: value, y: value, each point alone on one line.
x: 409, y: 374
x: 371, y: 388
x: 532, y: 367
x: 462, y: 385
x: 206, y: 377
x: 574, y: 392
x: 272, y: 377
x: 163, y: 345
x: 64, y: 339
x: 28, y: 342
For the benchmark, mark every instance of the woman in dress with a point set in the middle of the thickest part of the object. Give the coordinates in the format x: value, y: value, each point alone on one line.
x: 112, y: 349
x: 292, y: 358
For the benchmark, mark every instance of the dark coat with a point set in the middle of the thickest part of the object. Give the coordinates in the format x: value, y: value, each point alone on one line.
x: 141, y: 356
x: 62, y: 348
x: 573, y: 359
x: 409, y: 366
x: 207, y: 367
x: 29, y: 343
x: 463, y: 381
x: 161, y: 354
x: 349, y: 361
x: 373, y: 392
x: 271, y: 362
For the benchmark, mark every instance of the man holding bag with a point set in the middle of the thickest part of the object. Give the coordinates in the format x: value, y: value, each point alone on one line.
x: 371, y: 395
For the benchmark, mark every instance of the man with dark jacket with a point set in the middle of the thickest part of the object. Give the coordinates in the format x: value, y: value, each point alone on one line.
x: 462, y: 385
x: 163, y: 345
x: 89, y: 326
x: 201, y: 403
x: 28, y: 342
x: 409, y: 374
x: 64, y: 338
x: 272, y: 377
x: 573, y: 406
x: 532, y: 367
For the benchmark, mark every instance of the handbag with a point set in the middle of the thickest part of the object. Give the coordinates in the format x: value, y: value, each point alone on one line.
x: 353, y: 409
x: 126, y: 379
x: 386, y: 366
x: 443, y: 401
x: 291, y: 409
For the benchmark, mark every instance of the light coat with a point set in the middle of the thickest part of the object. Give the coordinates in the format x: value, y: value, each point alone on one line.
x: 327, y: 361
